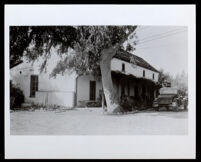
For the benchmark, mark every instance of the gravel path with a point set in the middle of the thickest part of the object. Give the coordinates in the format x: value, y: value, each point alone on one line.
x: 92, y: 121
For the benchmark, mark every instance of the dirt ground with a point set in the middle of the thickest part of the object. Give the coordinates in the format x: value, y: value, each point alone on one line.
x: 92, y: 121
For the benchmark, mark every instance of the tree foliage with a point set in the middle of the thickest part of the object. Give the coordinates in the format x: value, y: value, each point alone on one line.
x: 19, y: 41
x: 87, y: 43
x: 180, y: 80
x: 164, y: 77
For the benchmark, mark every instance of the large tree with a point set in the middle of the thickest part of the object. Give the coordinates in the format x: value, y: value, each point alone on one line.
x: 164, y: 76
x: 180, y: 80
x: 93, y: 46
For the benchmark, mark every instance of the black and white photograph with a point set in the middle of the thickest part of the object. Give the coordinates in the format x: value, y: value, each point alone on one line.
x: 95, y: 80
x: 108, y: 80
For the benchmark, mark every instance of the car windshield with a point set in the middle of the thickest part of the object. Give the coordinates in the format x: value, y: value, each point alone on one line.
x: 168, y: 91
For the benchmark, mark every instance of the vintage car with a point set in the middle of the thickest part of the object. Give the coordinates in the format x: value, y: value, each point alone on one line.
x: 185, y: 102
x: 168, y: 97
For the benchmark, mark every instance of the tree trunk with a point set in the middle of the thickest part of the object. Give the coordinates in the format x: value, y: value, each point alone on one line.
x: 103, y: 100
x: 111, y: 95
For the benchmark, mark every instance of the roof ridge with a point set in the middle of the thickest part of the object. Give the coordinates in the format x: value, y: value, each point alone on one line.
x: 141, y: 62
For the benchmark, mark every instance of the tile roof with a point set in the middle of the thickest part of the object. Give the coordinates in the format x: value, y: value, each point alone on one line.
x: 126, y: 56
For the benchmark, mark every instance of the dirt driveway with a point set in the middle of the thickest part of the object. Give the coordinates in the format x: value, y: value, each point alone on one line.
x: 92, y: 121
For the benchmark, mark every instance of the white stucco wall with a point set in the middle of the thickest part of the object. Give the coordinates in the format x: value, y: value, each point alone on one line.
x: 51, y: 91
x: 61, y: 90
x: 116, y: 65
x: 83, y: 86
x: 61, y: 98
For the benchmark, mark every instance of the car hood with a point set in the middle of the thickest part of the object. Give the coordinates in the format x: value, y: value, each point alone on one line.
x: 166, y: 95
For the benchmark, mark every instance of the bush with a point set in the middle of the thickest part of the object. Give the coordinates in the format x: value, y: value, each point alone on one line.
x: 16, y: 97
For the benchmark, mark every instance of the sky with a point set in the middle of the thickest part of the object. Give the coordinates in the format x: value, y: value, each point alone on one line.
x: 163, y: 47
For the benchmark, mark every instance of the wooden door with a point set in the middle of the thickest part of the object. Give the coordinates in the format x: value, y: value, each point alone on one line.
x: 92, y: 90
x: 33, y: 85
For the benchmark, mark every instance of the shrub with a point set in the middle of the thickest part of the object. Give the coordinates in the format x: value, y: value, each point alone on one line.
x: 16, y: 96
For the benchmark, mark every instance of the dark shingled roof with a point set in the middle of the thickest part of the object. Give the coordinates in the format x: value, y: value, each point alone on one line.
x: 126, y: 56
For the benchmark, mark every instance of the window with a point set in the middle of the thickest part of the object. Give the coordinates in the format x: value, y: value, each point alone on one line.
x: 143, y: 73
x: 153, y: 76
x: 33, y: 85
x: 123, y: 67
x: 92, y: 90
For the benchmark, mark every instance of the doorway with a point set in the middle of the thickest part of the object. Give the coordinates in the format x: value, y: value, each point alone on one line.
x: 92, y: 90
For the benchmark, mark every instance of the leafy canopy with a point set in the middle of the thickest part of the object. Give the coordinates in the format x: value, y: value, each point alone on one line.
x: 87, y: 43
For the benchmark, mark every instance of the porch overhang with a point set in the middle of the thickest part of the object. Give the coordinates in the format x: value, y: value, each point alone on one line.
x: 131, y: 77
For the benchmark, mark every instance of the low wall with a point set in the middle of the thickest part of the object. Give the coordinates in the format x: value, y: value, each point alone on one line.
x: 55, y: 98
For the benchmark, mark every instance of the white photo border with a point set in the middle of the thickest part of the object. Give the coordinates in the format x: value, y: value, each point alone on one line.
x: 103, y: 147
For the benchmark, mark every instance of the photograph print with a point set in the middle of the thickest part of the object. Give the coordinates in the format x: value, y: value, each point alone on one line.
x: 98, y: 80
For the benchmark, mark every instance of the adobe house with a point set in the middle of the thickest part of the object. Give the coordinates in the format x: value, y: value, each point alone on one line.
x: 131, y: 75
